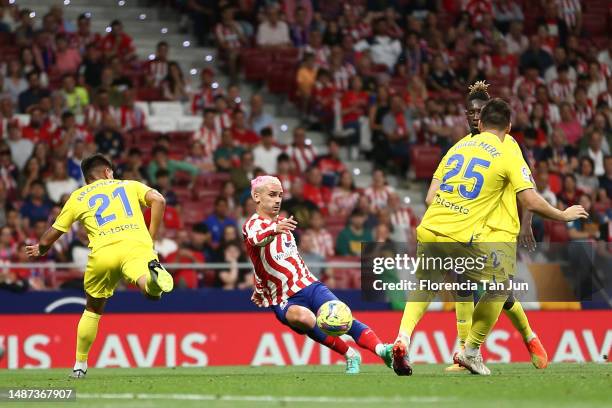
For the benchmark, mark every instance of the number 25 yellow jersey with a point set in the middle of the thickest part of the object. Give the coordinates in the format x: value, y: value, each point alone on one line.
x: 110, y: 211
x: 474, y: 174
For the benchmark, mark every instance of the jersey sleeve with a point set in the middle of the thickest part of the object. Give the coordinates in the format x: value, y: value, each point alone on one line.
x: 67, y: 216
x: 439, y: 173
x: 141, y: 191
x: 519, y: 174
x: 259, y: 232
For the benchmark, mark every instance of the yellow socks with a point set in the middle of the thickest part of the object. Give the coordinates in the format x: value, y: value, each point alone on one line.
x: 86, y: 334
x: 517, y: 316
x: 413, y: 312
x: 464, y: 308
x: 485, y: 316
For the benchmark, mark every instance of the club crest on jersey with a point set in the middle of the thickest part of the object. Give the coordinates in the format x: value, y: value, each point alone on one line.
x: 283, y: 304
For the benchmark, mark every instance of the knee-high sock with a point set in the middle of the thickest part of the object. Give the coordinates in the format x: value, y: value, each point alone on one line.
x: 485, y: 316
x: 413, y: 312
x: 86, y: 334
x: 365, y: 337
x: 464, y: 309
x: 334, y: 343
x: 519, y: 320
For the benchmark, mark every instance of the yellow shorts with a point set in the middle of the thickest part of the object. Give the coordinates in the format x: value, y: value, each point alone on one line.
x: 498, y: 259
x: 108, y: 264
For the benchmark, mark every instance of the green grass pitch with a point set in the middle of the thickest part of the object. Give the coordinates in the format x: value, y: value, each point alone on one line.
x: 510, y: 385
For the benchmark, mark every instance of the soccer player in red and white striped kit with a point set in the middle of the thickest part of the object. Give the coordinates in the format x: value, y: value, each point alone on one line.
x: 284, y: 283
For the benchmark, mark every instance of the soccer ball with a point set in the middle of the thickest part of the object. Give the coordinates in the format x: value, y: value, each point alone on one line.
x: 334, y: 318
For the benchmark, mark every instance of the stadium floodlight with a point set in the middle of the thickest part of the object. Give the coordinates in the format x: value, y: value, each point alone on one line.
x: 284, y: 127
x: 108, y: 29
x: 142, y: 16
x: 164, y: 30
x: 407, y: 200
x: 208, y: 58
x: 307, y: 141
x: 66, y: 2
x: 121, y: 3
x: 88, y: 14
x: 356, y: 171
x: 237, y: 99
x: 186, y: 43
x: 11, y: 1
x: 151, y: 57
x: 193, y: 71
x: 32, y: 14
x: 214, y: 85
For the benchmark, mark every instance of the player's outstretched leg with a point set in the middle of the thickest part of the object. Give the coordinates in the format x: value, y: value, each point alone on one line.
x: 303, y: 321
x: 86, y: 334
x: 367, y: 339
x: 514, y: 310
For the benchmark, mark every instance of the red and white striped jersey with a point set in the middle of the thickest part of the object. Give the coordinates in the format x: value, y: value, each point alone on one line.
x: 229, y: 35
x: 605, y: 97
x: 280, y: 271
x: 379, y: 198
x: 210, y: 139
x: 321, y: 55
x: 131, y: 118
x: 302, y: 157
x: 157, y: 70
x: 564, y: 92
x: 584, y: 114
x: 342, y: 77
x: 568, y: 11
x: 93, y: 115
x: 323, y: 242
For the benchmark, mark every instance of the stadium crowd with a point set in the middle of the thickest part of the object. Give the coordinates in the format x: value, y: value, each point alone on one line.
x: 385, y: 78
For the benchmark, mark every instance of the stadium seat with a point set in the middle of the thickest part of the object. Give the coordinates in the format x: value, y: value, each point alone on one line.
x: 189, y: 123
x: 172, y: 109
x: 23, y: 119
x: 162, y: 124
x: 149, y: 94
x: 425, y: 160
x: 145, y: 108
x: 556, y: 231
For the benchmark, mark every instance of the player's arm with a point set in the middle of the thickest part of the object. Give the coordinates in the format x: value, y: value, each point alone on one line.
x: 46, y: 242
x: 259, y: 232
x: 534, y: 202
x: 157, y: 202
x: 431, y: 193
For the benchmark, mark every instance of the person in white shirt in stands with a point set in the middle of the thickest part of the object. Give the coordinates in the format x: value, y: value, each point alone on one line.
x: 60, y: 183
x: 273, y: 33
x: 21, y: 148
x: 384, y: 50
x: 266, y: 153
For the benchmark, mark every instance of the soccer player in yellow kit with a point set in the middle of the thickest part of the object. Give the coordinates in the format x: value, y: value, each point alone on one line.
x: 476, y: 173
x: 505, y: 219
x: 121, y: 245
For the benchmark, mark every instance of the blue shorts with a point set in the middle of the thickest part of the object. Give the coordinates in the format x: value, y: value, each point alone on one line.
x: 311, y: 297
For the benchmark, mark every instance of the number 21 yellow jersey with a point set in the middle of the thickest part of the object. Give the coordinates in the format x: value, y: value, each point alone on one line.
x: 474, y: 174
x: 110, y: 211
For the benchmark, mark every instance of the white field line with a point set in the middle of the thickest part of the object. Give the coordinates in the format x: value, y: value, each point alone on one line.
x: 262, y: 398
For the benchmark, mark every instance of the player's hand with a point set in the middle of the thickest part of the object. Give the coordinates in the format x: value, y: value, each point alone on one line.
x: 33, y: 251
x: 286, y: 225
x: 575, y: 212
x: 526, y: 238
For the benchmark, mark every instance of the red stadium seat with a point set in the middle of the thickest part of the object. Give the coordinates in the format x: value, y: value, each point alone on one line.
x: 556, y: 231
x: 149, y: 94
x: 425, y: 160
x: 193, y: 212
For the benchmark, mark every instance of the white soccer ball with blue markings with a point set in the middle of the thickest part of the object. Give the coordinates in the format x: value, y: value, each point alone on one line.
x: 334, y: 318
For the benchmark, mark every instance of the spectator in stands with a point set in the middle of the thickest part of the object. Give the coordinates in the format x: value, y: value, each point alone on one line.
x: 535, y: 56
x: 60, y: 183
x: 344, y: 196
x: 399, y: 130
x: 133, y: 164
x: 561, y: 157
x: 605, y: 180
x: 310, y: 253
x: 350, y: 238
x: 323, y: 241
x: 201, y: 242
x: 8, y: 169
x: 95, y: 113
x: 315, y: 191
x: 240, y: 133
x: 84, y: 37
x: 596, y: 152
x: 108, y: 139
x: 273, y: 32
x: 157, y: 68
x: 162, y: 161
x: 301, y: 153
x: 118, y: 43
x: 24, y: 33
x: 202, y: 13
x: 234, y: 278
x: 298, y: 206
x: 31, y: 172
x: 230, y: 38
x: 75, y: 157
x: 36, y: 131
x: 569, y: 195
x: 306, y: 78
x: 586, y: 181
x: 209, y: 133
x: 67, y: 59
x: 7, y: 244
x: 354, y: 104
x: 131, y: 116
x: 299, y: 29
x: 227, y: 155
x: 33, y: 94
x: 164, y: 187
x: 36, y: 206
x: 14, y: 81
x: 185, y: 278
x: 441, y: 78
x: 205, y: 96
x: 267, y: 152
x: 330, y: 164
x: 383, y: 49
x: 258, y: 119
x: 21, y: 148
x: 242, y: 176
x: 90, y: 70
x: 68, y: 133
x: 174, y: 86
x: 585, y: 229
x: 379, y: 193
x: 76, y: 97
x: 284, y: 174
x: 218, y: 220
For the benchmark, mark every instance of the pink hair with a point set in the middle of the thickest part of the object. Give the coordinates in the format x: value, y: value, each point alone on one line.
x: 261, y: 181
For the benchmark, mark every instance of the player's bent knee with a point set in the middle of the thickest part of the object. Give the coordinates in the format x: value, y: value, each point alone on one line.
x: 300, y: 318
